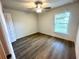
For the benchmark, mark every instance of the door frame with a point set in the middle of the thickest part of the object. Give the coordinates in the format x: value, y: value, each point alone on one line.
x: 5, y: 33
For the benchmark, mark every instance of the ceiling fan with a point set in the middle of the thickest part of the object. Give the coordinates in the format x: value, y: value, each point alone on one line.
x: 40, y: 6
x: 36, y: 5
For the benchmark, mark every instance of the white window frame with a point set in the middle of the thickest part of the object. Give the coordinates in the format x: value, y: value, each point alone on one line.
x: 66, y: 18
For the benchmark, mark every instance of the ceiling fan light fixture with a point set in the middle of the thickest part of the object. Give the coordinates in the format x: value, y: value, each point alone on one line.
x: 38, y: 10
x: 38, y: 6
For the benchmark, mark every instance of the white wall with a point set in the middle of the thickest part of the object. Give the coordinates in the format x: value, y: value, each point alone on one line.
x: 24, y: 23
x: 46, y: 21
x: 28, y: 23
x: 77, y: 45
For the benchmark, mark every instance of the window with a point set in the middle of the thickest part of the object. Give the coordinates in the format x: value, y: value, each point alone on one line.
x: 61, y: 22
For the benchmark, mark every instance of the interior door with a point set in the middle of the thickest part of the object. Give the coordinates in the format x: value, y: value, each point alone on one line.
x: 10, y: 26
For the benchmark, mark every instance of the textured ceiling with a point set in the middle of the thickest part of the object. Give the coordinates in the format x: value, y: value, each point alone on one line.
x: 23, y: 4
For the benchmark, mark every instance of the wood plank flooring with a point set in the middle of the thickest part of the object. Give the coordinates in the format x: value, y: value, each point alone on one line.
x: 40, y: 46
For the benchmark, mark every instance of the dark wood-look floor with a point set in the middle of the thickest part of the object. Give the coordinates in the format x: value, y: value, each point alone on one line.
x: 40, y: 46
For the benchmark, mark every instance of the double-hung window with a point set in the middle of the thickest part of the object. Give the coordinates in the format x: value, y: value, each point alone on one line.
x: 62, y: 22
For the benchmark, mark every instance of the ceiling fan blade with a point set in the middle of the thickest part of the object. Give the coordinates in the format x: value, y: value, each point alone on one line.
x: 47, y: 8
x: 27, y: 1
x: 33, y: 5
x: 30, y: 5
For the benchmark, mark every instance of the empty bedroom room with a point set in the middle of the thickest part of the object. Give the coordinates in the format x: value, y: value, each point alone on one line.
x: 41, y: 29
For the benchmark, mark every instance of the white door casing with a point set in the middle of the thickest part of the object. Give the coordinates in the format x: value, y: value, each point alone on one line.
x: 77, y: 45
x: 6, y: 33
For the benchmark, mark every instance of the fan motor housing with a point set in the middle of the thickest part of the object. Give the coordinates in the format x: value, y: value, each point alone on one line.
x: 38, y: 2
